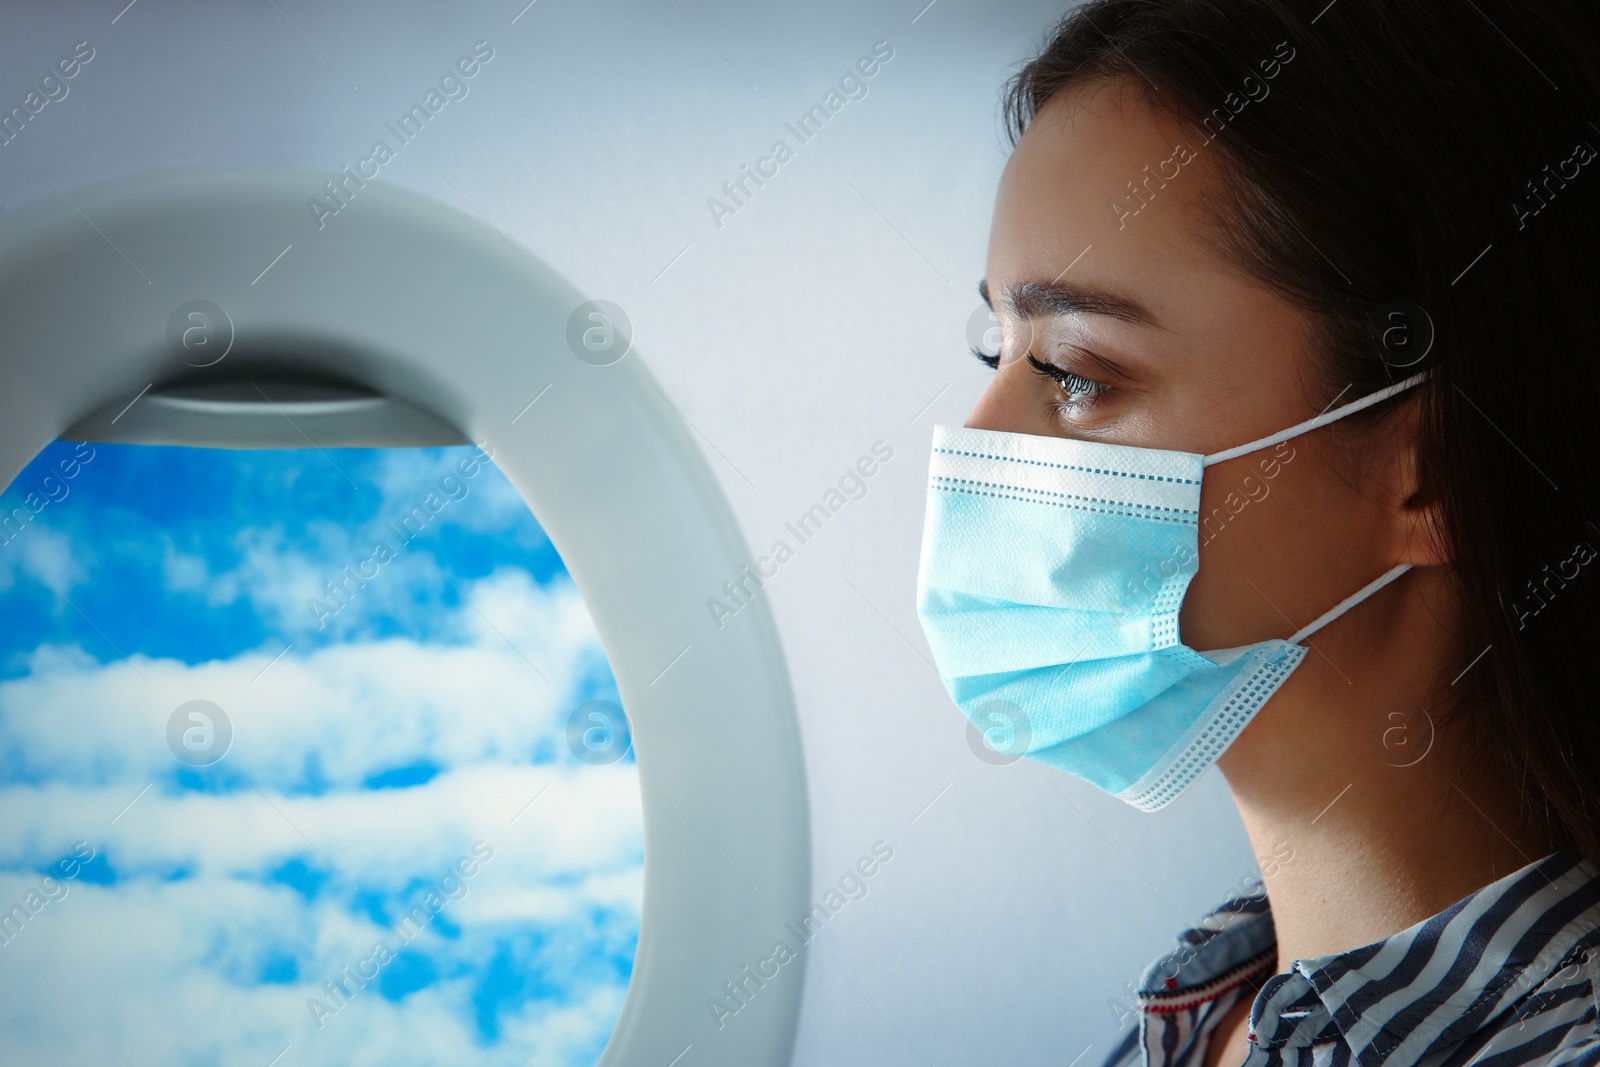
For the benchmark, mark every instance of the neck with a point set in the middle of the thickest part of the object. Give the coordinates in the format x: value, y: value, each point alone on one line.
x: 1367, y: 813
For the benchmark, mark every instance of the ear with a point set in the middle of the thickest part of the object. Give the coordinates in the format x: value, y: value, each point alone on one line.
x: 1408, y: 492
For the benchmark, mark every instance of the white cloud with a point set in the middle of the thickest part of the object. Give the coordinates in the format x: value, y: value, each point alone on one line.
x: 185, y: 572
x: 585, y: 821
x: 358, y: 586
x: 162, y: 971
x: 182, y: 571
x: 169, y: 968
x: 490, y: 502
x: 44, y: 554
x: 354, y: 709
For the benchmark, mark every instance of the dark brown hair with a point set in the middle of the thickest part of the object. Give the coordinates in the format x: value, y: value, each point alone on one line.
x: 1443, y: 155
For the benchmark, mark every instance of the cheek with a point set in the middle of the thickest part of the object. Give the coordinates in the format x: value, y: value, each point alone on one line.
x: 1271, y: 566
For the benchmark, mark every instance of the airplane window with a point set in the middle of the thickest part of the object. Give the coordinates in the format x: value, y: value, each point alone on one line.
x: 306, y: 757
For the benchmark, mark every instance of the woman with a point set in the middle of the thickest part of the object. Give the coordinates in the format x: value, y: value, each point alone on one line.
x: 1299, y: 337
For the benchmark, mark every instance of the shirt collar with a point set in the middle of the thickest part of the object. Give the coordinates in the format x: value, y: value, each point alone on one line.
x: 1416, y: 992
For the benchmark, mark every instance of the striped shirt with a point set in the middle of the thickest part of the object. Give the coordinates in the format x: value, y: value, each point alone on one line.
x: 1506, y: 976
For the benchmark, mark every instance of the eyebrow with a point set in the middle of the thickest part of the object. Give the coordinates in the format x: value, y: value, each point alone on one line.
x: 1027, y: 300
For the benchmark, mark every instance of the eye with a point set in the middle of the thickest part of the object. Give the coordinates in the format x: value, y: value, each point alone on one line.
x: 1080, y: 391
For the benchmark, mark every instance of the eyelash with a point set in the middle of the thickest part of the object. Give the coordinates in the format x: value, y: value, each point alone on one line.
x: 1065, y: 379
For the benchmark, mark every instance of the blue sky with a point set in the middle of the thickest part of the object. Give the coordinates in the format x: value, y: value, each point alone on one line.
x: 398, y: 744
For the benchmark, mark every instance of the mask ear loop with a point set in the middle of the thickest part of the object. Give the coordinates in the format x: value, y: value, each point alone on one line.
x: 1304, y: 427
x: 1321, y: 420
x: 1348, y: 602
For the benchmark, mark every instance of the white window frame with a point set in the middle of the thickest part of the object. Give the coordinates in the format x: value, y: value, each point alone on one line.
x: 450, y: 331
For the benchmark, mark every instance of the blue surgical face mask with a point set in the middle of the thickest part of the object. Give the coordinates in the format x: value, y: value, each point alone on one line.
x: 1051, y: 575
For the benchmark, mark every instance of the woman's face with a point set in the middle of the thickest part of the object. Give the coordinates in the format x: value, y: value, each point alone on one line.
x: 1171, y: 346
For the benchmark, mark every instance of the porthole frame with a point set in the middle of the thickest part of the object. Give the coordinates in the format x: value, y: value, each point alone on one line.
x: 454, y: 326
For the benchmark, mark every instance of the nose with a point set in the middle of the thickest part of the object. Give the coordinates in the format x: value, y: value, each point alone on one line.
x: 989, y: 412
x: 1004, y: 404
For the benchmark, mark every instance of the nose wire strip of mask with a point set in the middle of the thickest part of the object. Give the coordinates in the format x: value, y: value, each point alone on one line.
x: 1320, y: 420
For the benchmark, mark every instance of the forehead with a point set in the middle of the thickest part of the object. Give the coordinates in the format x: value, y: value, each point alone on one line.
x: 1101, y: 168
